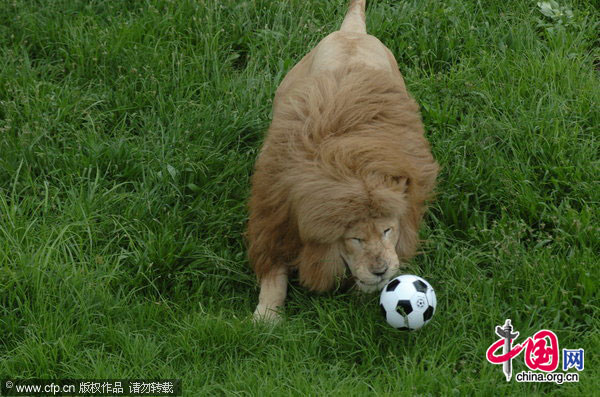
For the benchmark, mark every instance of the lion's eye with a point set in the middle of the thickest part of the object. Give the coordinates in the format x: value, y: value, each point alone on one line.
x: 387, y: 231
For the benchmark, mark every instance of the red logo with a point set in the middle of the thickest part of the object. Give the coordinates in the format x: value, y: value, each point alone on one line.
x: 541, y: 351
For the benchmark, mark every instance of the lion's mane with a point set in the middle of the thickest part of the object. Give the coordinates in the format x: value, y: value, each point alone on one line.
x: 342, y: 147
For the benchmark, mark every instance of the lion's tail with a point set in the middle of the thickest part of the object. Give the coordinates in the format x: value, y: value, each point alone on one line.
x: 355, y: 17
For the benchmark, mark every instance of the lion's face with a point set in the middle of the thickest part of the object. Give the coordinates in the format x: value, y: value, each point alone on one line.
x: 368, y: 248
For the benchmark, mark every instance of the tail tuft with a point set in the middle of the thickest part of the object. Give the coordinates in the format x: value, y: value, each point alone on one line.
x: 355, y: 17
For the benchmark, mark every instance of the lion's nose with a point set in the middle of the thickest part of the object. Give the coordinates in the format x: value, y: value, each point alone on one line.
x: 379, y: 272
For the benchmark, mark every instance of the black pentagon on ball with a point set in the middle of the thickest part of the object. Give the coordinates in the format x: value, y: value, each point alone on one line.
x: 420, y: 286
x: 392, y: 285
x: 428, y: 313
x: 383, y: 311
x: 404, y: 307
x: 403, y: 328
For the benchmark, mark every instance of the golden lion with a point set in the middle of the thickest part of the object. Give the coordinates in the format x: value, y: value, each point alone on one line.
x: 342, y: 178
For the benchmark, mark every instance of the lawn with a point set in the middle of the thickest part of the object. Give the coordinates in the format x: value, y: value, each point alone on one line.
x: 128, y: 134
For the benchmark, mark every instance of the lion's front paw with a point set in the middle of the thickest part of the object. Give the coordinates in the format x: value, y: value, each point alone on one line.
x: 267, y: 314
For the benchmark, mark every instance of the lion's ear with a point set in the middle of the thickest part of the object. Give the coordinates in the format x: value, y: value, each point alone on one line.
x: 408, y: 238
x: 320, y: 266
x: 399, y: 182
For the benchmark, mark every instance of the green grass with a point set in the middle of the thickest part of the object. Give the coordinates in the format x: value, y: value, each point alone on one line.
x: 128, y: 133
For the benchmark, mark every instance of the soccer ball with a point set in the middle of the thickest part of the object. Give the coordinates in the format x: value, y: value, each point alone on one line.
x: 408, y: 302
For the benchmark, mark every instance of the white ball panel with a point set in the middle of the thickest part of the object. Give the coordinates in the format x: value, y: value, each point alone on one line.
x: 415, y: 320
x: 395, y: 319
x: 432, y: 298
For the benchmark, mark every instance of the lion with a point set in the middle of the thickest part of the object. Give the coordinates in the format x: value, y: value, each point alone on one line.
x: 344, y: 174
